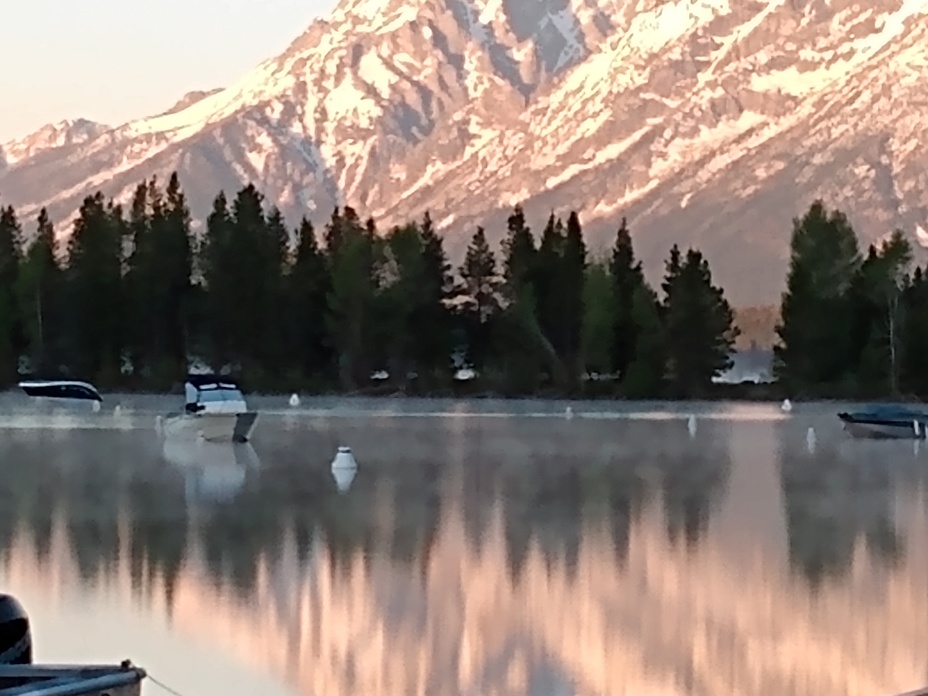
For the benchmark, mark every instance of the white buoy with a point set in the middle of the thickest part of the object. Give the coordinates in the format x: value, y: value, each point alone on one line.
x: 916, y: 428
x: 116, y: 410
x: 810, y: 439
x: 294, y: 401
x: 568, y: 413
x: 344, y: 459
x: 786, y: 406
x: 344, y: 468
x: 159, y: 425
x: 96, y: 407
x: 691, y: 426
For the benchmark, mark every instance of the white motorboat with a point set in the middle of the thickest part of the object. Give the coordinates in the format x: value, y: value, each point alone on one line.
x: 62, y: 392
x: 215, y: 411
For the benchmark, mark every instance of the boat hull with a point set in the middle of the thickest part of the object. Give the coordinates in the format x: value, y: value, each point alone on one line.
x: 212, y: 427
x: 877, y: 429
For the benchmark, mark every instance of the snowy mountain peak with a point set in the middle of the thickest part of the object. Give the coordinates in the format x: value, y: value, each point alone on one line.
x: 189, y: 99
x: 52, y: 135
x: 704, y: 122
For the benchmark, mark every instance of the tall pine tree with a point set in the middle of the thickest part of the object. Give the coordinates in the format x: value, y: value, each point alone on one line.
x: 816, y: 329
x: 698, y: 324
x: 10, y: 325
x: 39, y: 294
x: 628, y: 278
x: 481, y: 300
x: 309, y: 285
x: 571, y: 275
x: 94, y: 290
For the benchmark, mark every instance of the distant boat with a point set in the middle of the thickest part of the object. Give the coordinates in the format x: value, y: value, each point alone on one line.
x: 886, y: 422
x: 61, y: 389
x: 215, y: 410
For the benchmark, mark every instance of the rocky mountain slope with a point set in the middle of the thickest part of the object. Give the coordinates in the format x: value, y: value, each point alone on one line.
x: 705, y: 122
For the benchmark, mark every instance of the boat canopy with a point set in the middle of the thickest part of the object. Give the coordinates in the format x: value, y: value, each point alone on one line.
x: 61, y: 389
x: 891, y: 411
x: 208, y: 388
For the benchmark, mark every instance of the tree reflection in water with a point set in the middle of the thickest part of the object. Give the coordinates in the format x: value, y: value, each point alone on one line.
x: 486, y: 544
x: 843, y: 492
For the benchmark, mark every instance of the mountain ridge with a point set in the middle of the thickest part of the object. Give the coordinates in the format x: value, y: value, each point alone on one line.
x: 702, y: 122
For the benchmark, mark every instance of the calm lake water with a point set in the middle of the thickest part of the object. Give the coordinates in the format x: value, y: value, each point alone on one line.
x: 474, y: 553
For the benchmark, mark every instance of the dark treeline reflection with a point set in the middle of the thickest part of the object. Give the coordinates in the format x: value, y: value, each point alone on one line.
x: 122, y: 496
x: 838, y: 494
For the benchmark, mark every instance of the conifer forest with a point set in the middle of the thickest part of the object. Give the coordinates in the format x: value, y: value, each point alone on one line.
x: 134, y: 296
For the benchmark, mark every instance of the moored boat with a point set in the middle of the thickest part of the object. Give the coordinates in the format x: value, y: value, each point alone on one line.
x: 215, y: 410
x: 61, y: 390
x: 886, y: 422
x: 19, y: 676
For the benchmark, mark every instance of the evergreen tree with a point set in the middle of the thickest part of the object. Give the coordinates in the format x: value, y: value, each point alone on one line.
x: 432, y: 315
x: 816, y: 325
x: 275, y: 257
x: 524, y: 338
x: 519, y: 255
x: 177, y: 245
x: 217, y: 262
x: 352, y: 250
x: 598, y: 319
x: 571, y: 276
x: 628, y: 278
x: 309, y: 285
x: 94, y: 284
x: 698, y: 324
x: 875, y: 297
x: 139, y: 278
x: 545, y: 277
x: 159, y: 272
x: 645, y: 375
x: 10, y: 325
x: 914, y: 335
x: 399, y: 274
x: 39, y: 294
x: 254, y: 266
x: 481, y: 300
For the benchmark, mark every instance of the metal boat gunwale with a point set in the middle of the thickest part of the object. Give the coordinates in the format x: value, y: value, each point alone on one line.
x: 67, y: 680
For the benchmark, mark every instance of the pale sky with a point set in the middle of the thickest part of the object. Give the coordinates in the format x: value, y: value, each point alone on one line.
x: 115, y: 60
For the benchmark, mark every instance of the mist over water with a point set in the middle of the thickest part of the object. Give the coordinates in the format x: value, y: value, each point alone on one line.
x: 474, y: 552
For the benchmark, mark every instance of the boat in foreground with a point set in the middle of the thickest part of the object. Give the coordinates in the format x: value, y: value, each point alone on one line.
x: 71, y: 680
x: 19, y: 677
x: 886, y: 422
x: 215, y: 410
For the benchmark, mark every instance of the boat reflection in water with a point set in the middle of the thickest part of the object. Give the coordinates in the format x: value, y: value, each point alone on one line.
x: 213, y: 471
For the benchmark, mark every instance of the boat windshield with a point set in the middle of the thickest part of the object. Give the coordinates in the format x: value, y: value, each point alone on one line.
x: 219, y: 394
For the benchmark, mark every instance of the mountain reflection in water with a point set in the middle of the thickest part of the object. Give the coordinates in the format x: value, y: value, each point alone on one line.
x: 481, y: 556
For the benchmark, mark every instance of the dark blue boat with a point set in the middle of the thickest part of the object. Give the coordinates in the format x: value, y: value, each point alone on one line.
x: 886, y: 422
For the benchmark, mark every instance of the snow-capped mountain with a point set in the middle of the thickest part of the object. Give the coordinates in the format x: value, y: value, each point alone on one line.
x: 48, y: 137
x: 705, y: 122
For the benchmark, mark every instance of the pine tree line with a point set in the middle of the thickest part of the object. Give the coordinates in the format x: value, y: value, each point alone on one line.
x: 851, y: 324
x: 134, y: 294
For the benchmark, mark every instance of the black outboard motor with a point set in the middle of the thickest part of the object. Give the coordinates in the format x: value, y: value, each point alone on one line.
x: 15, y: 636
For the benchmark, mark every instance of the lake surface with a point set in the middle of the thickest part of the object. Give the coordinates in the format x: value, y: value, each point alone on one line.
x: 474, y: 553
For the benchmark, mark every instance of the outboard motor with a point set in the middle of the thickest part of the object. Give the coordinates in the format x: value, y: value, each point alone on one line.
x: 15, y: 636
